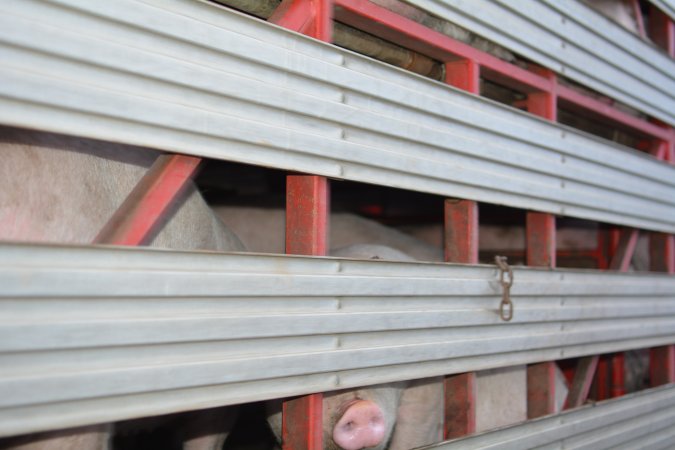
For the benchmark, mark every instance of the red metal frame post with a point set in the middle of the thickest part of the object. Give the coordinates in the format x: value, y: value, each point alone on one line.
x: 461, y: 246
x: 463, y: 74
x: 662, y: 259
x: 541, y: 252
x: 540, y: 236
x: 137, y: 219
x: 307, y: 210
x: 662, y: 30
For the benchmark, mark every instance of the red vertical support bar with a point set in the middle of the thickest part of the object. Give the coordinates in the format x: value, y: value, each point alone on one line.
x: 540, y: 389
x: 307, y: 208
x: 461, y: 231
x: 311, y: 17
x: 662, y: 259
x: 662, y: 252
x: 461, y: 246
x: 662, y: 30
x: 662, y: 365
x: 545, y: 103
x: 540, y: 237
x: 460, y: 405
x: 463, y: 74
x: 302, y: 424
x: 540, y: 232
x: 602, y: 378
x: 541, y: 251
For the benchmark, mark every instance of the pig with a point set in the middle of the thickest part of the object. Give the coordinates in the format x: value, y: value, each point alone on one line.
x: 93, y: 179
x: 56, y: 188
x: 262, y: 230
x: 394, y: 416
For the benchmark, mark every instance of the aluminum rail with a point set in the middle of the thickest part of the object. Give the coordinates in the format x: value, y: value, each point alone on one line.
x: 576, y: 41
x: 642, y: 420
x: 196, y: 78
x: 91, y: 335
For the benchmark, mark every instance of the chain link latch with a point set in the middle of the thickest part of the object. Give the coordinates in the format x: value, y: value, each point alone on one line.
x: 506, y: 280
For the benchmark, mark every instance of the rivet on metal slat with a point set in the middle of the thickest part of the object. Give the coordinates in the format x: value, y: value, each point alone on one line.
x: 506, y: 306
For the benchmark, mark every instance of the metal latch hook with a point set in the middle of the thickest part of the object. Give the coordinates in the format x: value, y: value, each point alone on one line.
x: 506, y: 280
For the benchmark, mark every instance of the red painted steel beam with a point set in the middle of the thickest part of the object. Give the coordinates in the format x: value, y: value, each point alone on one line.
x: 302, y: 427
x: 602, y: 378
x: 296, y: 15
x: 390, y: 26
x: 662, y: 252
x: 310, y: 17
x: 581, y: 383
x: 575, y: 101
x: 662, y: 30
x: 541, y: 389
x: 662, y: 365
x: 307, y: 210
x: 541, y: 252
x: 662, y: 259
x: 461, y: 246
x: 460, y: 405
x: 545, y: 103
x: 540, y: 237
x: 307, y: 206
x: 407, y: 33
x: 461, y: 231
x: 463, y: 74
x: 137, y: 220
x: 625, y: 250
x: 461, y: 228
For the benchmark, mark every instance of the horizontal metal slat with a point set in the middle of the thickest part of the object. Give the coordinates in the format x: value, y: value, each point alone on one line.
x: 202, y: 80
x: 631, y: 421
x: 94, y: 334
x: 575, y: 41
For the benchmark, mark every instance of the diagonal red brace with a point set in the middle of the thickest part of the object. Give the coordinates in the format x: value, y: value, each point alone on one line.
x: 624, y: 252
x: 136, y: 219
x: 583, y: 378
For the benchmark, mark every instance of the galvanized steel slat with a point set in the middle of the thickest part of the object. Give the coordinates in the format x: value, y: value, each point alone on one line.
x: 199, y: 79
x: 631, y: 421
x: 99, y: 334
x: 575, y: 41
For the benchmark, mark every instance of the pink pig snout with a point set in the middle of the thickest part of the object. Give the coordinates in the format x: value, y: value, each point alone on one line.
x: 362, y: 425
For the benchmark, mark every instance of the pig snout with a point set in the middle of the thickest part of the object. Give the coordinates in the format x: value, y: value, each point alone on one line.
x: 362, y: 425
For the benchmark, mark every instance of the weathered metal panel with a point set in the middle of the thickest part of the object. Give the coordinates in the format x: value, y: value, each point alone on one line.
x: 575, y: 41
x: 642, y: 420
x: 195, y: 78
x: 100, y: 334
